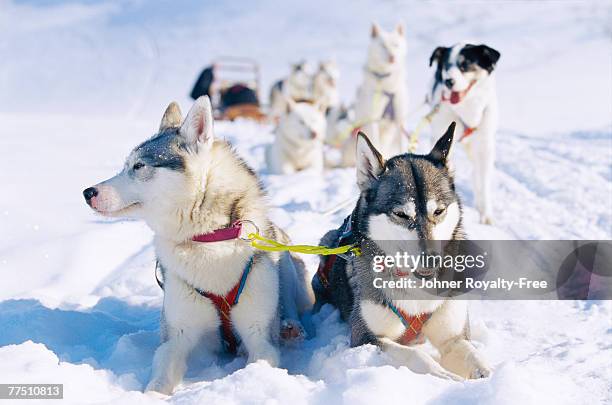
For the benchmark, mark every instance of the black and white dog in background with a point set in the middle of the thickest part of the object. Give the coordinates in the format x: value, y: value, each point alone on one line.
x: 464, y: 89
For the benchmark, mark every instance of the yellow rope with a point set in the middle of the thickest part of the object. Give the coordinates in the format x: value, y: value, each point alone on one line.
x: 426, y: 120
x: 274, y: 246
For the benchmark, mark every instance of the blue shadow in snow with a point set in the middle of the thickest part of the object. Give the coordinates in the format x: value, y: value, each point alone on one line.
x: 75, y: 336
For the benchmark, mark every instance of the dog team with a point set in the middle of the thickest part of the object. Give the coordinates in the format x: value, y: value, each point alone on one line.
x: 202, y: 200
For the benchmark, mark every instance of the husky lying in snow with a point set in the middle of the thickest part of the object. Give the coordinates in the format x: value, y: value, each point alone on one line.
x: 464, y: 89
x: 297, y: 87
x: 408, y: 197
x: 325, y: 85
x: 193, y: 190
x: 380, y: 108
x: 299, y: 140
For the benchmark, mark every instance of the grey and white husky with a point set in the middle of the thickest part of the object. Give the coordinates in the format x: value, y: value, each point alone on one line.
x: 184, y: 183
x: 406, y: 198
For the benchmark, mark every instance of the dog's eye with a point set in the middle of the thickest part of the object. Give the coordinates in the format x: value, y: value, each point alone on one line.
x: 138, y: 166
x: 464, y: 66
x: 439, y: 212
x: 401, y: 214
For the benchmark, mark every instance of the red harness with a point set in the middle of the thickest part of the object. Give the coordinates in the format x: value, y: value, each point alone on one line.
x: 224, y: 305
x: 413, y: 324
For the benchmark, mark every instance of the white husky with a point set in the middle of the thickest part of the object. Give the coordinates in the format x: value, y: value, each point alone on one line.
x: 297, y: 87
x: 299, y: 140
x: 325, y: 85
x: 195, y: 193
x: 380, y: 108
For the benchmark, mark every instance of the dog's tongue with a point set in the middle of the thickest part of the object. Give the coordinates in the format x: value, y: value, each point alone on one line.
x: 455, y: 97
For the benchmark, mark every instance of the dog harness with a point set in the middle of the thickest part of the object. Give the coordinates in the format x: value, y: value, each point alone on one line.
x: 412, y: 323
x: 224, y: 305
x: 328, y: 262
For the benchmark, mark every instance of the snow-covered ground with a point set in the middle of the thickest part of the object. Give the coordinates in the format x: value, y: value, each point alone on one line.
x: 81, y: 83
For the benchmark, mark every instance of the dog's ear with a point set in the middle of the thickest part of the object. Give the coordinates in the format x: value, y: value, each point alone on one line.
x: 369, y: 162
x: 400, y: 29
x: 486, y: 57
x: 198, y: 126
x: 442, y: 148
x: 375, y: 32
x: 437, y: 55
x: 172, y: 117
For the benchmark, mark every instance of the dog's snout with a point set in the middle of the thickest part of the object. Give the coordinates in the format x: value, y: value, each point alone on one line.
x: 90, y: 193
x: 449, y: 83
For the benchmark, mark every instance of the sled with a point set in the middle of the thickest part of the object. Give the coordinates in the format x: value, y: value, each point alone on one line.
x: 233, y: 86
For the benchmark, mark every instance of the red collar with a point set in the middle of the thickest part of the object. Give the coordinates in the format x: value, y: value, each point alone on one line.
x: 218, y: 235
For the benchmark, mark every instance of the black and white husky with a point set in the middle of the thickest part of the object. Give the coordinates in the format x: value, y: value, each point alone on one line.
x: 406, y: 198
x: 464, y: 90
x: 195, y: 193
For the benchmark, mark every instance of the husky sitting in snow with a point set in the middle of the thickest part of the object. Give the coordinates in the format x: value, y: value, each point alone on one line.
x: 325, y: 85
x: 297, y: 87
x: 196, y: 194
x: 380, y: 108
x: 406, y: 198
x: 299, y: 139
x: 464, y: 91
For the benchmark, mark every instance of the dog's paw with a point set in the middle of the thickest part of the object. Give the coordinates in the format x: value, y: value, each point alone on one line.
x: 486, y: 220
x: 270, y: 355
x: 159, y: 388
x: 480, y: 372
x: 291, y: 332
x: 156, y: 395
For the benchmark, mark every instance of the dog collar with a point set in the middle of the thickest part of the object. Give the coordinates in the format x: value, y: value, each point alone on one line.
x: 219, y: 235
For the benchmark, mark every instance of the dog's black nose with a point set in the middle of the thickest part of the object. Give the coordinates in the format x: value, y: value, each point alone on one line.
x: 90, y: 193
x: 449, y: 83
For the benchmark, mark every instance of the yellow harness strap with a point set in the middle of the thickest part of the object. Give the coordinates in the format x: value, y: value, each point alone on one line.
x: 270, y: 245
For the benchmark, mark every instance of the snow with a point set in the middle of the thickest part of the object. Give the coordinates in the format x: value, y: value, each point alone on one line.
x: 82, y: 83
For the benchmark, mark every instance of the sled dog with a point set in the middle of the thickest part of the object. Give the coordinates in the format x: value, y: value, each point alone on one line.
x: 298, y: 144
x: 196, y: 194
x: 380, y: 107
x: 297, y: 87
x: 464, y: 90
x: 406, y: 198
x: 325, y: 85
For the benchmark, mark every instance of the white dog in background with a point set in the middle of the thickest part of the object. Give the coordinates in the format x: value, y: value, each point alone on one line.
x: 325, y: 85
x: 464, y: 91
x: 380, y: 108
x: 299, y: 139
x: 296, y: 87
